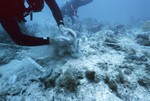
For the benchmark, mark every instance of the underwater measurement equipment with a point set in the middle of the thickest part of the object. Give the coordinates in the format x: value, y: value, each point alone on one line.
x: 45, y: 72
x: 35, y: 64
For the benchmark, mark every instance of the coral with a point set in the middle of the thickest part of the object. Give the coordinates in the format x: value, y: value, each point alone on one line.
x: 132, y: 57
x: 112, y: 85
x: 44, y: 61
x: 69, y: 80
x: 101, y: 72
x: 146, y: 25
x: 7, y: 55
x: 120, y: 78
x: 102, y: 65
x: 49, y: 77
x: 144, y: 81
x: 50, y: 82
x: 143, y: 36
x: 143, y: 39
x: 90, y: 75
x: 12, y: 90
x: 112, y: 43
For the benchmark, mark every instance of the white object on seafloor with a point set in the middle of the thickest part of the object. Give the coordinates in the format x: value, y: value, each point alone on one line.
x: 45, y: 72
x: 35, y: 64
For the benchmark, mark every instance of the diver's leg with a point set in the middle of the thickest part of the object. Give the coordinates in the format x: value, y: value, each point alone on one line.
x: 12, y: 28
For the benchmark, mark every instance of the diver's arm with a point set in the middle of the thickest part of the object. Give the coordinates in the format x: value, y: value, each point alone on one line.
x: 55, y: 10
x: 58, y: 17
x: 84, y: 2
x: 12, y: 28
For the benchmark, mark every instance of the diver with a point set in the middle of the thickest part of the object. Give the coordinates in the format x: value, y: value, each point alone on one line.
x: 12, y: 12
x: 69, y: 9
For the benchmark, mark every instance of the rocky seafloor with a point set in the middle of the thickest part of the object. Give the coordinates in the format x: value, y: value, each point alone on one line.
x: 112, y: 64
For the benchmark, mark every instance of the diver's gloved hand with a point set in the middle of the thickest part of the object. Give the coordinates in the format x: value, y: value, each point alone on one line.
x: 60, y: 41
x: 65, y: 31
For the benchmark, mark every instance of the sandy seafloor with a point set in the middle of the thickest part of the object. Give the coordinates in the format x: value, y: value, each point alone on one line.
x: 112, y: 64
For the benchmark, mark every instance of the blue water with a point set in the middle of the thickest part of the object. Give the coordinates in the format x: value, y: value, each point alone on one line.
x: 111, y: 11
x: 114, y: 11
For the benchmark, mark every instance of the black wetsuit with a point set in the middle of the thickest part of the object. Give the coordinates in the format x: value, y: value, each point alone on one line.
x: 70, y: 7
x: 12, y: 10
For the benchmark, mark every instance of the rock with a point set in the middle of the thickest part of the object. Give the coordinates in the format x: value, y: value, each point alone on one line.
x: 102, y: 65
x: 50, y: 82
x: 69, y: 80
x: 1, y: 75
x: 124, y: 66
x: 46, y: 73
x: 64, y: 61
x: 106, y: 79
x: 13, y: 79
x: 144, y: 81
x: 2, y: 98
x: 27, y: 83
x: 146, y: 26
x: 118, y: 29
x: 132, y: 85
x: 80, y: 75
x: 143, y: 58
x: 132, y: 57
x: 127, y: 66
x: 127, y: 72
x: 143, y: 36
x: 112, y: 85
x: 16, y: 91
x: 121, y: 77
x: 43, y: 62
x: 11, y: 90
x: 147, y: 43
x: 8, y: 53
x: 111, y: 42
x: 143, y: 39
x: 147, y: 68
x: 90, y: 75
